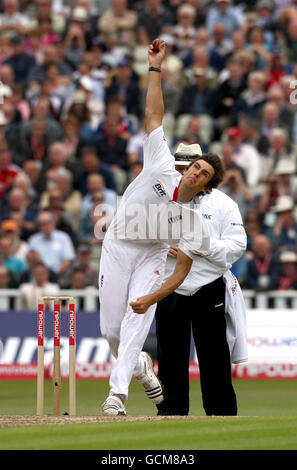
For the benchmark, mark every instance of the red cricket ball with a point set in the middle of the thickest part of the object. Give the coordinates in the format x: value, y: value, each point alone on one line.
x: 156, y: 44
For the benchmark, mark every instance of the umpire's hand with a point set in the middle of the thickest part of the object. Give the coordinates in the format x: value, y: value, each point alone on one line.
x: 173, y: 251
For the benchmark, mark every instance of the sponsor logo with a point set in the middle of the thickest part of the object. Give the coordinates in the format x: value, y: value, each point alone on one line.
x: 157, y: 272
x: 236, y: 224
x: 159, y: 189
x: 207, y: 216
x: 40, y: 326
x: 57, y: 327
x: 101, y: 280
x: 176, y: 218
x: 259, y: 341
x: 71, y: 326
x: 219, y: 305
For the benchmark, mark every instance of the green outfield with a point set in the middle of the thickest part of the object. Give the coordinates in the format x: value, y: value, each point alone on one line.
x: 267, y: 420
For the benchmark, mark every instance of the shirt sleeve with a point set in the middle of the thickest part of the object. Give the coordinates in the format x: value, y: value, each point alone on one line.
x: 156, y: 152
x: 195, y: 242
x: 232, y: 244
x: 221, y: 252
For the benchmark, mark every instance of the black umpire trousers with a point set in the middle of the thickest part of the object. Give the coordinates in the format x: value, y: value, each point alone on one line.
x: 204, y: 313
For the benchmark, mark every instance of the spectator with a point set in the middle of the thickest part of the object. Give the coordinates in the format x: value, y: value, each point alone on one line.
x: 250, y: 130
x: 8, y: 171
x: 223, y: 12
x: 71, y: 198
x: 267, y: 201
x: 71, y: 130
x: 276, y: 94
x: 75, y: 44
x: 15, y: 265
x: 78, y: 279
x: 278, y: 150
x: 5, y: 279
x: 18, y: 201
x: 23, y: 182
x: 245, y: 156
x: 276, y: 68
x: 220, y: 44
x: 63, y: 219
x: 284, y: 233
x: 54, y: 246
x: 198, y: 97
x: 95, y: 182
x: 236, y: 188
x: 286, y: 175
x: 32, y: 169
x: 19, y: 102
x: 251, y: 100
x: 153, y: 20
x: 21, y: 62
x: 19, y: 248
x: 35, y: 142
x: 125, y: 88
x: 11, y: 20
x: 12, y: 130
x: 113, y: 151
x: 288, y: 276
x: 32, y: 259
x: 253, y: 227
x: 269, y: 121
x: 194, y: 134
x: 125, y: 127
x: 83, y: 262
x: 39, y: 287
x: 228, y: 92
x: 86, y: 230
x: 117, y: 25
x: 58, y: 158
x: 184, y: 30
x: 38, y: 72
x: 263, y: 269
x: 91, y: 163
x: 42, y: 108
x: 289, y: 41
x: 257, y: 43
x: 201, y: 60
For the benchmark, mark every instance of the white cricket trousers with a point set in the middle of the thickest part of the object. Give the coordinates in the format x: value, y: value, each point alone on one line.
x: 127, y: 271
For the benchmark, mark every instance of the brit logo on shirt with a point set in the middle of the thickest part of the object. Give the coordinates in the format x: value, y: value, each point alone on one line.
x: 159, y: 189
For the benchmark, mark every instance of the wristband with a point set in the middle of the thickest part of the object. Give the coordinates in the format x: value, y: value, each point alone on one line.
x: 154, y: 69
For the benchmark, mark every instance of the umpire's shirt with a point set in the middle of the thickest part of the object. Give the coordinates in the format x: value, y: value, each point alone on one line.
x: 227, y: 242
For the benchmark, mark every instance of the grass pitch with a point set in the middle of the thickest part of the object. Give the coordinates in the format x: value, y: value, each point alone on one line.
x: 267, y: 420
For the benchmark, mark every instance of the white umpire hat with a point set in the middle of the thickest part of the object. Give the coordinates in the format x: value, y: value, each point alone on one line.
x: 185, y: 154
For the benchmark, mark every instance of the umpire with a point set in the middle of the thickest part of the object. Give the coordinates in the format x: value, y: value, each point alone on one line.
x: 199, y: 305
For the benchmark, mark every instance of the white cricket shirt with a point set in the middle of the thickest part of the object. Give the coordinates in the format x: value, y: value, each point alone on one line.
x: 227, y: 242
x: 155, y: 185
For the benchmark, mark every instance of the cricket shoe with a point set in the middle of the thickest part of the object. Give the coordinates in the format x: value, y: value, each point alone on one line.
x: 113, y: 406
x: 149, y: 381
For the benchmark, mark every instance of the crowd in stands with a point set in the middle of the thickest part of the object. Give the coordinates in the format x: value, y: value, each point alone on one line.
x: 73, y: 84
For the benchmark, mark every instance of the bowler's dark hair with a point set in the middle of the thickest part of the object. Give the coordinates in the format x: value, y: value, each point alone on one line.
x: 219, y: 169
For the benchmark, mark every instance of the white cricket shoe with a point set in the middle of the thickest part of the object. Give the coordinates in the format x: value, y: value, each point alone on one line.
x: 149, y: 381
x: 113, y: 406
